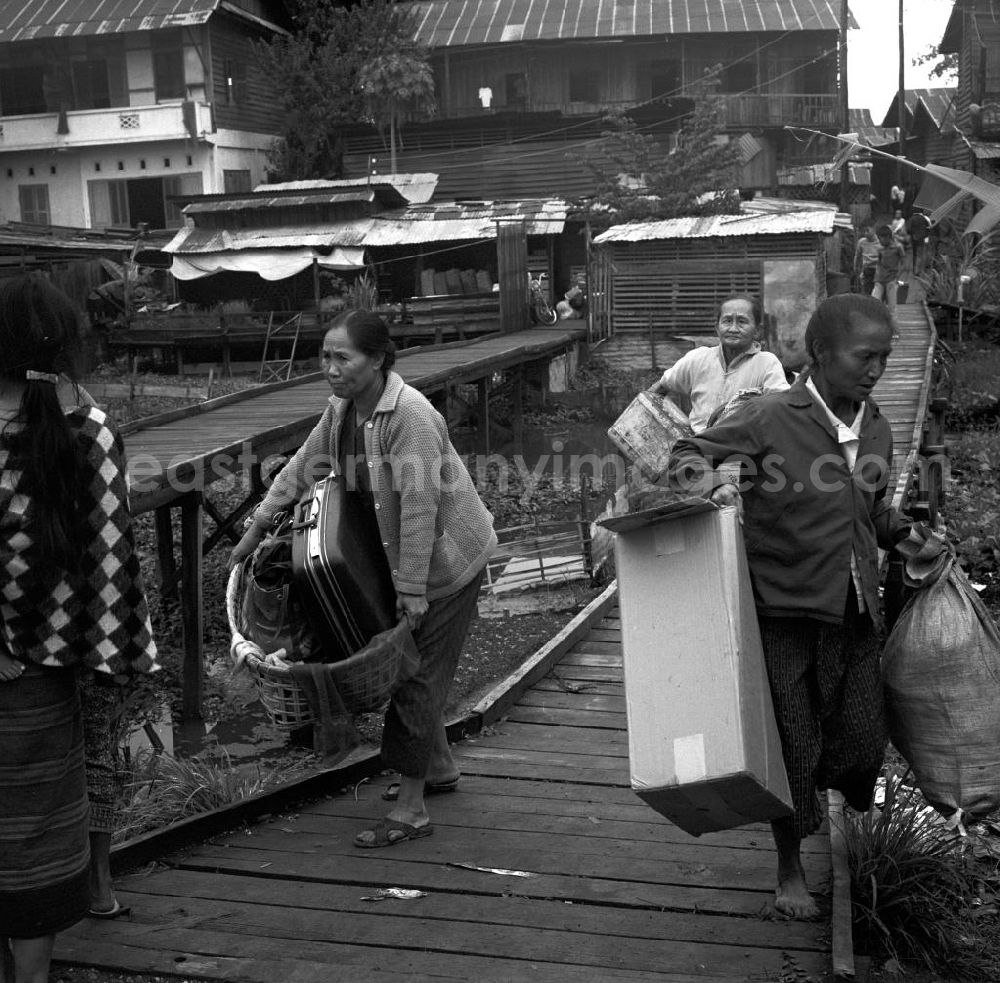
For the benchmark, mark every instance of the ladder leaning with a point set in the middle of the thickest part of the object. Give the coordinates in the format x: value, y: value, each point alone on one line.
x: 274, y: 368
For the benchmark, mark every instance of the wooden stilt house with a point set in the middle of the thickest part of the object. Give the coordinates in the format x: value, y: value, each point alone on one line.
x: 661, y: 280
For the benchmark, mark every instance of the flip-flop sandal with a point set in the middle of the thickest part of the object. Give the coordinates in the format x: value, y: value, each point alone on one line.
x: 119, y: 911
x: 384, y: 827
x: 391, y: 794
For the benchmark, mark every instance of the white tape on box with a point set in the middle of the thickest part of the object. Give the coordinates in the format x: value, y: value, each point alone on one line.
x: 689, y: 758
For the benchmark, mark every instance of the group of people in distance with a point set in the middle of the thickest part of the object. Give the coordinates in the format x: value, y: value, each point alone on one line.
x: 886, y: 251
x: 74, y: 615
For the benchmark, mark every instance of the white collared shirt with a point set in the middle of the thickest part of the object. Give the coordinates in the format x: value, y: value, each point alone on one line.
x: 849, y: 438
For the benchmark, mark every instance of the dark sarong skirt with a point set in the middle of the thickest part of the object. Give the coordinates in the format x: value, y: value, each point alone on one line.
x: 828, y: 700
x: 44, y: 844
x: 416, y: 707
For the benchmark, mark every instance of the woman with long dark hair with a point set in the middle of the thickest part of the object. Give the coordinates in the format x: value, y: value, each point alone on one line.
x: 70, y: 597
x: 393, y: 447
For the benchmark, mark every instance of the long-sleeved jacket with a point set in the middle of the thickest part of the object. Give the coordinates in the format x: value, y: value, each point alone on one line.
x: 804, y: 511
x: 435, y: 530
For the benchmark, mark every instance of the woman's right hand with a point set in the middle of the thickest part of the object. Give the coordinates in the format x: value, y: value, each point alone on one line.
x: 726, y: 495
x: 245, y: 547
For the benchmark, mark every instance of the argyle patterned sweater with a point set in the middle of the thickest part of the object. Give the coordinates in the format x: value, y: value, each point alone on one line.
x: 98, y: 616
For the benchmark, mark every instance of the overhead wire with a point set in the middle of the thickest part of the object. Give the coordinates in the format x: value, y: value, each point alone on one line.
x: 678, y: 91
x: 639, y: 129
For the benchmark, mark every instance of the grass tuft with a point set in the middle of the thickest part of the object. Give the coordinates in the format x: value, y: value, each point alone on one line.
x: 162, y: 789
x: 920, y: 894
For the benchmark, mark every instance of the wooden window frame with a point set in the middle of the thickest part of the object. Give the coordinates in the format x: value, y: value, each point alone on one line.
x: 33, y: 212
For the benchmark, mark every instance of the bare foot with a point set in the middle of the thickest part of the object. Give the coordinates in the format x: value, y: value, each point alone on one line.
x: 10, y: 668
x: 792, y: 898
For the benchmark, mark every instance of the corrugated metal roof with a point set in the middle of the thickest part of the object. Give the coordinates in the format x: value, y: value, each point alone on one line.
x: 190, y: 240
x: 442, y: 222
x: 938, y: 103
x: 985, y: 23
x: 24, y: 20
x: 416, y: 188
x: 984, y: 150
x: 452, y: 23
x: 256, y: 202
x: 89, y: 240
x: 712, y: 226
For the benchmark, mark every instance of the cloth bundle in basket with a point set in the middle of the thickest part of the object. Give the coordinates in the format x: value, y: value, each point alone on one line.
x: 364, y: 681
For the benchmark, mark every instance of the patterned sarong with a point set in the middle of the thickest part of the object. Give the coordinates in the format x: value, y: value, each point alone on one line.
x: 44, y: 843
x: 829, y: 706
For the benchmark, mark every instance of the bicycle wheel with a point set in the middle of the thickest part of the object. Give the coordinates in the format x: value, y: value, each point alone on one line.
x: 542, y: 313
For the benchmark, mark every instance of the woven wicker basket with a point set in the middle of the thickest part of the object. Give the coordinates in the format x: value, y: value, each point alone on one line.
x: 365, y: 681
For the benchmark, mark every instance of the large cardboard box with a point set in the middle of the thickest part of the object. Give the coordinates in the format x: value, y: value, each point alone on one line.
x: 703, y: 744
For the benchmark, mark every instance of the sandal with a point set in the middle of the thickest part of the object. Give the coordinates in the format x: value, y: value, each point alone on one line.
x: 118, y: 911
x: 384, y: 829
x: 391, y: 794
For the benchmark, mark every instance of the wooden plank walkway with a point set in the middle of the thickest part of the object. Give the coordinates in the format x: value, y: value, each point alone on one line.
x: 903, y: 391
x: 615, y: 891
x: 192, y: 448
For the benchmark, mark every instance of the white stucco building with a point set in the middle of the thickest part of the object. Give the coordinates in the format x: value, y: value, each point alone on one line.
x: 108, y: 108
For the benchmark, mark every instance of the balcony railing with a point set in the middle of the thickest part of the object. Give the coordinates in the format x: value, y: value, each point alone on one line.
x: 785, y: 109
x: 91, y: 127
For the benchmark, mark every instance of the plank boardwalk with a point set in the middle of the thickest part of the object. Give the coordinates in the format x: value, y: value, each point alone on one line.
x: 610, y: 890
x: 902, y: 392
x: 193, y: 448
x: 615, y: 892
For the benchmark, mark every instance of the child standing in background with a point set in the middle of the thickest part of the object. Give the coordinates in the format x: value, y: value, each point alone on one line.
x: 888, y: 268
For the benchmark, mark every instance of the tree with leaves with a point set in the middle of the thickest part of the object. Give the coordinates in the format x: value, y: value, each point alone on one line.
x: 941, y: 64
x: 638, y: 180
x: 397, y: 85
x: 343, y: 65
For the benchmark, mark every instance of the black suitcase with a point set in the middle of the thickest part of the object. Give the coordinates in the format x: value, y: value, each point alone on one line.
x: 341, y: 574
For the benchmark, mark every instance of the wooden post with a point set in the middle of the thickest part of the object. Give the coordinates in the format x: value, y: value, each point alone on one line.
x: 316, y: 297
x: 484, y: 415
x: 652, y: 345
x: 517, y: 394
x: 585, y: 537
x: 901, y: 103
x: 192, y: 574
x: 845, y: 112
x: 165, y: 552
x: 227, y: 358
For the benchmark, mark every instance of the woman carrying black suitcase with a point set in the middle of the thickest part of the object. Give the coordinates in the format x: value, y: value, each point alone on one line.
x: 393, y: 447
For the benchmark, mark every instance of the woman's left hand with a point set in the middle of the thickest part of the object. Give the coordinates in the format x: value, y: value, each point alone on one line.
x: 413, y: 607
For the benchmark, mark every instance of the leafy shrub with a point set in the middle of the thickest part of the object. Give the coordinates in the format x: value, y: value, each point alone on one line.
x: 972, y: 506
x: 973, y: 386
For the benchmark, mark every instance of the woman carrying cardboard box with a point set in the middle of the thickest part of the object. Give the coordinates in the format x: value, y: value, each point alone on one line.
x: 814, y: 469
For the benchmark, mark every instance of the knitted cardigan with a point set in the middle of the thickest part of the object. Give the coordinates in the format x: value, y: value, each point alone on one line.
x: 96, y: 617
x: 435, y: 530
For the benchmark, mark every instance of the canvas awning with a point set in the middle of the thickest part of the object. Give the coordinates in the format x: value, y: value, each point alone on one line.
x: 269, y: 264
x: 944, y: 190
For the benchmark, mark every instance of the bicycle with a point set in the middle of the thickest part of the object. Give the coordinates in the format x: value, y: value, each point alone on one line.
x: 539, y: 308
